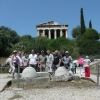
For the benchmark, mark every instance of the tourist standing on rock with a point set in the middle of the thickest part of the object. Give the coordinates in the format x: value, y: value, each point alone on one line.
x: 33, y: 60
x: 20, y: 61
x: 25, y: 59
x: 57, y: 60
x: 13, y: 63
x: 67, y: 60
x: 61, y: 56
x: 42, y: 61
x: 49, y: 61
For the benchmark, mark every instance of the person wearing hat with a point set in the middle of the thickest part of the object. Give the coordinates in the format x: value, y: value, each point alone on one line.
x: 20, y: 61
x: 67, y: 60
x: 13, y: 62
x: 42, y: 61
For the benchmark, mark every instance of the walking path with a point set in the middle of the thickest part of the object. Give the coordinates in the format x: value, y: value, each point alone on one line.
x: 92, y: 77
x: 4, y: 79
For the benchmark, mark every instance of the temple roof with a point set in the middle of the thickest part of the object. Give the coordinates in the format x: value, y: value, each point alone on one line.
x: 49, y: 23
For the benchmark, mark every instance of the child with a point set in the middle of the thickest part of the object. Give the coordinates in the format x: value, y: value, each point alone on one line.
x: 75, y: 66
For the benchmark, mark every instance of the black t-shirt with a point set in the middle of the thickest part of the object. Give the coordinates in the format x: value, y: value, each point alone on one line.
x: 61, y: 56
x: 56, y: 59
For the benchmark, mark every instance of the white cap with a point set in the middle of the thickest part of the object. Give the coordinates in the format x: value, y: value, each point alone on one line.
x: 66, y: 52
x: 87, y: 57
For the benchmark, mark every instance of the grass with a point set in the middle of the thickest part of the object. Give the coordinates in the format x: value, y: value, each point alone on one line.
x: 16, y: 97
x: 5, y: 69
x: 2, y: 60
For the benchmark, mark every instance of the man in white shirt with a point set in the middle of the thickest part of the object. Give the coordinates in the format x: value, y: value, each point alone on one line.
x: 49, y: 61
x: 33, y: 61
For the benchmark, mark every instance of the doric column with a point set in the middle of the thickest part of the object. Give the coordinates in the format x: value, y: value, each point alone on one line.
x: 66, y: 32
x: 55, y: 34
x: 49, y: 34
x: 43, y: 32
x: 61, y: 33
x: 38, y: 33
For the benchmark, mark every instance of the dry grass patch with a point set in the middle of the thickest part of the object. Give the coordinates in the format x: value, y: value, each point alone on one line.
x: 44, y: 85
x: 16, y: 97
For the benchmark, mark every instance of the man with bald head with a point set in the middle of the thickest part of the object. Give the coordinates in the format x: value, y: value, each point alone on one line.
x: 49, y: 61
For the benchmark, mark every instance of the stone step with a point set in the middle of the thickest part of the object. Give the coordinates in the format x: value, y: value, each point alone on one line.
x: 42, y: 74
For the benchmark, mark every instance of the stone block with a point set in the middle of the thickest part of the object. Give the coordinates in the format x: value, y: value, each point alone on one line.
x: 42, y: 74
x: 63, y: 78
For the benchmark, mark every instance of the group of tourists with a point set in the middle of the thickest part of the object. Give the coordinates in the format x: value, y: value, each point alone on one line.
x: 42, y: 62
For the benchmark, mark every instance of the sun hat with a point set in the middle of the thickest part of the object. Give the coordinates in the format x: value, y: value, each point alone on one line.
x: 66, y: 52
x: 15, y: 51
x: 42, y: 50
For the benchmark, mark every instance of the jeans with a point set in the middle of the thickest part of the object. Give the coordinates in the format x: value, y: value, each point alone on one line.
x: 67, y: 66
x: 55, y: 67
x: 32, y: 65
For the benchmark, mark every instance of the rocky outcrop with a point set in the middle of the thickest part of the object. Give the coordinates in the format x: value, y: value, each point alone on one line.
x: 29, y: 72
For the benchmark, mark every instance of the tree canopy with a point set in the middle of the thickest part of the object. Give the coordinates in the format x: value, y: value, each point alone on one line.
x: 8, y: 38
x: 76, y: 32
x: 82, y: 22
x: 91, y: 34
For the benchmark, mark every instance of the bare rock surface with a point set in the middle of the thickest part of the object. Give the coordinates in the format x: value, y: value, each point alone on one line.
x: 56, y: 93
x: 29, y: 72
x: 61, y: 71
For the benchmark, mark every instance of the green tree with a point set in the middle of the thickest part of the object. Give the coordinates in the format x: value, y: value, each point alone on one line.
x: 82, y: 22
x: 91, y: 34
x: 89, y: 47
x: 40, y: 43
x: 76, y: 32
x: 90, y: 24
x: 8, y: 37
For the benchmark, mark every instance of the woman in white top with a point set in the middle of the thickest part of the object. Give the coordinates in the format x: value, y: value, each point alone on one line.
x: 87, y: 61
x: 13, y: 63
x: 25, y: 59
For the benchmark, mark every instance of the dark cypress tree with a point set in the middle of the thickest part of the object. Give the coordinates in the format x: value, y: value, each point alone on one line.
x: 90, y: 24
x: 82, y: 22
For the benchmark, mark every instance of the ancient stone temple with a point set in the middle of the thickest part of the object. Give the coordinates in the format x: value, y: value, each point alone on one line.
x: 52, y: 30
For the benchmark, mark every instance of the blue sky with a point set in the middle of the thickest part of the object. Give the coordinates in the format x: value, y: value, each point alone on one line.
x: 23, y: 15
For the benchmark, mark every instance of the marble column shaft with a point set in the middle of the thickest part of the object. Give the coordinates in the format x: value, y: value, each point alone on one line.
x: 49, y: 34
x: 55, y: 34
x: 61, y: 33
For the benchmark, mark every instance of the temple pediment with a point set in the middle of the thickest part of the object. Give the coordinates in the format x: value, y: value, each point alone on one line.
x: 49, y: 23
